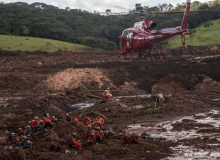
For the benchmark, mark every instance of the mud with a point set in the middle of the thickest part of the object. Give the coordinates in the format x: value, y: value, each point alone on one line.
x: 33, y: 84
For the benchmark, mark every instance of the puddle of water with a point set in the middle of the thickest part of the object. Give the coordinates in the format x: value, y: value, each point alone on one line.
x: 90, y: 103
x: 82, y: 105
x: 164, y: 130
x: 142, y: 96
x: 216, y: 100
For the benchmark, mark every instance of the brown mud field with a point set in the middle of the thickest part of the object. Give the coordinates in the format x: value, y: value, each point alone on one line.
x: 184, y: 126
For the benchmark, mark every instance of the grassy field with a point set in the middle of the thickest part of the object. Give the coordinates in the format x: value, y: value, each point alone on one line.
x: 18, y: 43
x: 202, y: 36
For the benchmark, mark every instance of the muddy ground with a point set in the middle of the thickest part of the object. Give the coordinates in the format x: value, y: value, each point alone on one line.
x: 33, y: 84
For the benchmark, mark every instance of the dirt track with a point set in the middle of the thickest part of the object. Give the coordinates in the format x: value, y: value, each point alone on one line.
x: 33, y: 84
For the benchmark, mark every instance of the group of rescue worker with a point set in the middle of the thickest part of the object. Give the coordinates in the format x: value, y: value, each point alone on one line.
x: 92, y: 135
x: 96, y: 134
x: 45, y: 122
x: 23, y: 137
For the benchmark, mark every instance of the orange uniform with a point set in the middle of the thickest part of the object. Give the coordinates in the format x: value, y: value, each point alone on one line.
x: 87, y: 133
x: 77, y: 120
x: 76, y: 144
x: 105, y: 93
x: 99, y: 133
x: 100, y: 119
x: 86, y: 121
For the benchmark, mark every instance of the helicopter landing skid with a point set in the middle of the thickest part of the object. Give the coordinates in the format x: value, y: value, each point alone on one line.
x: 152, y: 55
x: 125, y: 57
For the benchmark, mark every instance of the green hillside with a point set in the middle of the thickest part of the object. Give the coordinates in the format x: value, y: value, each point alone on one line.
x: 206, y: 34
x: 14, y: 43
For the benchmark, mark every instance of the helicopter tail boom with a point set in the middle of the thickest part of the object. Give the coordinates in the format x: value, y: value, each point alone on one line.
x: 186, y: 16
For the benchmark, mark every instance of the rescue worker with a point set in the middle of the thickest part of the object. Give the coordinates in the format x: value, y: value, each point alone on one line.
x: 48, y: 123
x: 53, y: 120
x: 88, y: 132
x: 98, y: 124
x: 86, y: 120
x: 106, y: 92
x: 77, y: 119
x: 41, y: 124
x: 19, y: 140
x: 134, y: 139
x: 74, y: 143
x: 20, y: 132
x: 126, y: 139
x: 68, y: 118
x: 104, y: 95
x: 91, y: 139
x: 99, y: 134
x: 34, y: 123
x: 100, y: 119
x: 130, y: 139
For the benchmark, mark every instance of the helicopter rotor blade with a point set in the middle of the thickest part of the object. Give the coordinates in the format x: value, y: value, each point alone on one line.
x: 202, y: 11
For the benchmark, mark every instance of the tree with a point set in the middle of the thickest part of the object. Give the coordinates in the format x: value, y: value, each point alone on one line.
x: 90, y: 41
x: 138, y: 6
x: 108, y: 11
x: 24, y: 30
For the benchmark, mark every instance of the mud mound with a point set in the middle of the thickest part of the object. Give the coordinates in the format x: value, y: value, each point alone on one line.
x: 192, y: 50
x: 177, y: 82
x: 13, y: 82
x: 178, y: 126
x: 90, y: 78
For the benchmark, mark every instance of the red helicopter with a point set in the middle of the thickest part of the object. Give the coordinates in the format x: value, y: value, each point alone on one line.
x: 142, y: 38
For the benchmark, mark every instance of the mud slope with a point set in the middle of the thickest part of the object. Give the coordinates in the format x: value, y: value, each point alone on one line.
x: 33, y: 84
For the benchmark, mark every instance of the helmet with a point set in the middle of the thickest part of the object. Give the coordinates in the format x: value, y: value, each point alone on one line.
x: 74, y: 134
x: 97, y: 127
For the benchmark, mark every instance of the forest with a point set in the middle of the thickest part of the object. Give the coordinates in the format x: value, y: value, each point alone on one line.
x: 92, y: 29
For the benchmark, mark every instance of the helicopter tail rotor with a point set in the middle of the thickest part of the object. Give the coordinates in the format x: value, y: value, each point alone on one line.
x: 186, y: 16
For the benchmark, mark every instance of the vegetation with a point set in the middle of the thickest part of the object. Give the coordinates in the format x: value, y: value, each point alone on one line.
x: 81, y: 27
x: 20, y: 43
x: 205, y: 34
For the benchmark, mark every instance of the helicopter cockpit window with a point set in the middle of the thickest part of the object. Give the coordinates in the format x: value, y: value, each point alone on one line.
x: 130, y: 34
x: 127, y: 35
x: 124, y: 34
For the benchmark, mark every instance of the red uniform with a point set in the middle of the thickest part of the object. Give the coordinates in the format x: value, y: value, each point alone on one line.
x: 126, y: 139
x: 76, y: 144
x: 87, y: 133
x: 100, y: 119
x: 91, y: 140
x: 34, y: 123
x: 99, y: 135
x: 48, y: 120
x: 86, y: 121
x: 105, y: 93
x: 77, y: 120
